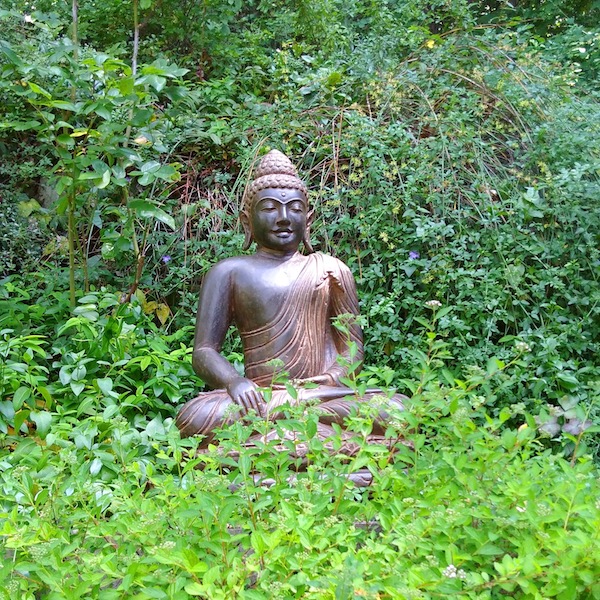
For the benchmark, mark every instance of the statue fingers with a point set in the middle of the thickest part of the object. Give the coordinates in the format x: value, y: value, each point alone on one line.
x: 251, y: 399
x: 259, y: 402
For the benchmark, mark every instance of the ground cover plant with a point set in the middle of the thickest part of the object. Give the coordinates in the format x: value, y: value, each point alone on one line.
x: 452, y: 151
x: 114, y: 504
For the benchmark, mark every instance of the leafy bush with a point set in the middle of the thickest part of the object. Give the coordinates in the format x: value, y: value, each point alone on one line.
x: 453, y: 165
x: 461, y: 504
x: 106, y: 357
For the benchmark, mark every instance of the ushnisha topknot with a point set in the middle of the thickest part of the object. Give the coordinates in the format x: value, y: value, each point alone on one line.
x: 275, y: 170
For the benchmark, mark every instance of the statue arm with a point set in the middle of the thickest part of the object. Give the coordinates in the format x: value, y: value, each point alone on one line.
x: 344, y: 301
x: 215, y: 313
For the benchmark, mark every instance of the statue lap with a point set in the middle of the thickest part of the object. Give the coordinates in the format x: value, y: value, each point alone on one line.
x: 214, y: 409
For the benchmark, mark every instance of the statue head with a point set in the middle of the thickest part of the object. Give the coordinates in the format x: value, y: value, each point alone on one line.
x: 276, y: 183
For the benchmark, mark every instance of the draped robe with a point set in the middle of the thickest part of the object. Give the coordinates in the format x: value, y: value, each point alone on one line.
x: 299, y: 342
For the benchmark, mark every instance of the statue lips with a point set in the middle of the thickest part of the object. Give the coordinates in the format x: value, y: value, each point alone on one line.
x: 282, y: 232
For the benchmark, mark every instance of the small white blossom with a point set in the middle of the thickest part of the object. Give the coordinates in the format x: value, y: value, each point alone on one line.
x: 453, y: 573
x: 450, y: 571
x: 522, y: 347
x: 433, y: 303
x: 167, y: 545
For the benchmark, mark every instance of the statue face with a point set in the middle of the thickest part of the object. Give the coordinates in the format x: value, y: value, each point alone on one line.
x: 278, y: 219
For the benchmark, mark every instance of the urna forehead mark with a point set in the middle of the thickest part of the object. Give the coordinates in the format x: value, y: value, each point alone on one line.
x: 282, y: 195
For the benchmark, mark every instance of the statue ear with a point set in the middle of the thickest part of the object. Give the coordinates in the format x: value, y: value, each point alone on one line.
x: 310, y: 217
x: 247, y: 230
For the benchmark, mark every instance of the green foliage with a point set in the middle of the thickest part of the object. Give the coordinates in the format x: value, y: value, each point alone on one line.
x: 21, y: 236
x: 106, y: 357
x: 447, y: 163
x: 450, y: 177
x: 454, y: 165
x: 85, y: 111
x: 460, y: 504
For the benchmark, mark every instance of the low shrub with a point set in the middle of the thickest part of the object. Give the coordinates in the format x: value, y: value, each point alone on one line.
x: 462, y: 504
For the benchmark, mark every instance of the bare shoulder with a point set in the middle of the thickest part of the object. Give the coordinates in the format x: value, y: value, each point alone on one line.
x: 228, y: 267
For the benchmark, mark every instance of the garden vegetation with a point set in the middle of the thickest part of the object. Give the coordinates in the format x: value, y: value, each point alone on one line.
x: 452, y: 150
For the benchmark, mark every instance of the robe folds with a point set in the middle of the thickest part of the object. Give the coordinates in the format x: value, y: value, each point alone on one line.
x: 300, y: 342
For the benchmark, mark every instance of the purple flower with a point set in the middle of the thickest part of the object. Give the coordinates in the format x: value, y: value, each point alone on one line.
x: 166, y: 258
x: 413, y: 255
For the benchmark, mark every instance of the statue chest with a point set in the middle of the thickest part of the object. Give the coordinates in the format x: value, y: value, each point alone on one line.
x: 261, y: 298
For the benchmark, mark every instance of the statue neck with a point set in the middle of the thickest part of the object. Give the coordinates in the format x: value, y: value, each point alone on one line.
x: 280, y: 255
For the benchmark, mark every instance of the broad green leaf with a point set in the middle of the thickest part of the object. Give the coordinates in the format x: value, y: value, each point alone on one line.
x: 105, y: 384
x: 104, y: 181
x: 168, y: 173
x: 63, y: 105
x: 155, y: 81
x: 27, y: 208
x: 34, y: 87
x: 493, y: 365
x: 66, y: 140
x: 147, y: 179
x: 42, y: 420
x: 119, y: 172
x: 110, y: 411
x: 7, y: 410
x: 490, y: 549
x: 78, y: 373
x: 147, y: 210
x: 141, y: 116
x: 87, y: 175
x: 567, y: 380
x: 334, y: 79
x: 443, y: 311
x: 64, y: 375
x: 77, y: 387
x: 155, y: 427
x: 217, y: 141
x: 150, y: 167
x: 10, y: 54
x: 20, y: 396
x: 125, y: 86
x: 46, y: 395
x: 95, y: 466
x: 195, y: 589
x: 25, y: 125
x: 103, y: 111
x: 20, y: 418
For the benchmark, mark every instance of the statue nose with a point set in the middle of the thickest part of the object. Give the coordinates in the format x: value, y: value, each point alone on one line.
x: 283, y: 215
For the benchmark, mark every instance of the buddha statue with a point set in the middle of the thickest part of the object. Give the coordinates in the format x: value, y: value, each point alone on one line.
x: 283, y: 303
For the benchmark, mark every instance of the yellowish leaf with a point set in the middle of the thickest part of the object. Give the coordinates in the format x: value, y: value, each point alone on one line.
x: 162, y: 312
x: 150, y: 307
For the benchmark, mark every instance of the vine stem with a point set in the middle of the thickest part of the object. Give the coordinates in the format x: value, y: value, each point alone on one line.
x: 71, y: 226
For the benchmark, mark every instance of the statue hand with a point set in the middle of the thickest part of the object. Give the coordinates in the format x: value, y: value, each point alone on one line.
x: 244, y: 392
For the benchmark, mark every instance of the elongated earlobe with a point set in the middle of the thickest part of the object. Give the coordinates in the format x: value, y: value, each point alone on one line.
x: 306, y: 241
x: 306, y: 238
x: 247, y: 231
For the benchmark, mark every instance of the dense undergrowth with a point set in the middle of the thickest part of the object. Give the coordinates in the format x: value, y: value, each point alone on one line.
x: 105, y: 500
x: 453, y: 158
